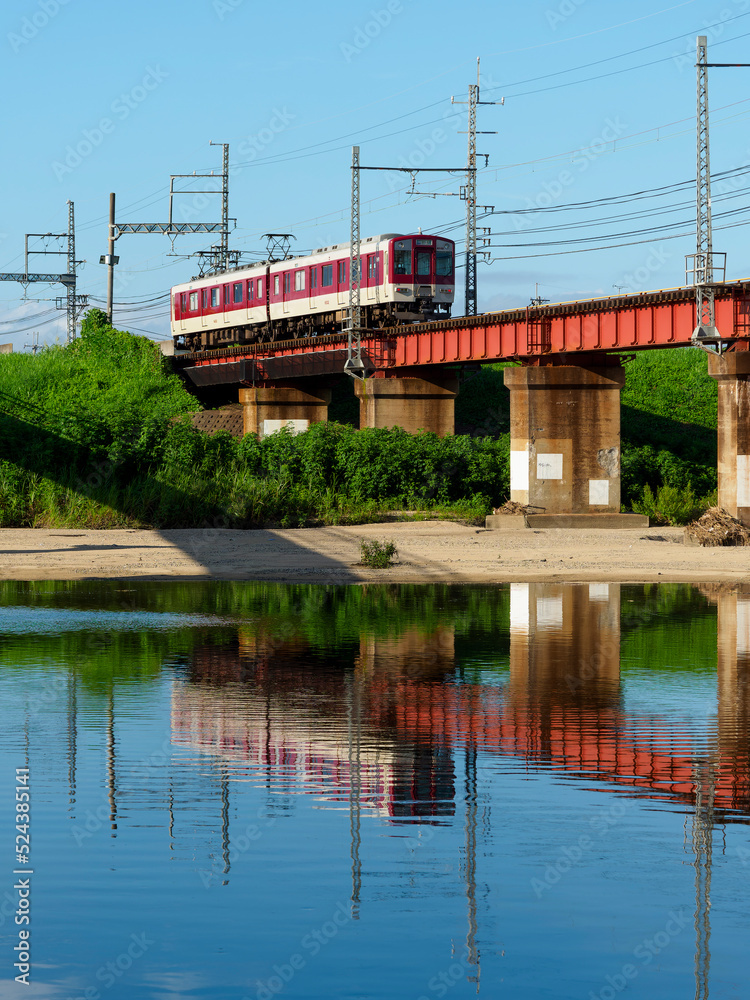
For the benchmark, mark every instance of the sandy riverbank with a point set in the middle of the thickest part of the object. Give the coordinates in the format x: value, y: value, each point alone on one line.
x: 429, y: 552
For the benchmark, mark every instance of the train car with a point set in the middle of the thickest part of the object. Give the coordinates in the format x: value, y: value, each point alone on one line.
x: 405, y: 279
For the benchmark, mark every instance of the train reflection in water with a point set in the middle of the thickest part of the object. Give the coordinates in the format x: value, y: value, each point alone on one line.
x: 397, y: 733
x: 263, y: 703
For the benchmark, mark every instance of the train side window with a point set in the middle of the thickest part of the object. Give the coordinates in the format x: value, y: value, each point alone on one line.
x: 402, y: 257
x: 276, y: 284
x: 326, y: 277
x: 193, y: 301
x: 342, y: 272
x: 287, y: 281
x: 238, y: 291
x: 299, y: 281
x: 204, y: 298
x: 183, y: 302
x: 250, y: 291
x: 313, y: 278
x: 260, y: 288
x: 215, y: 300
x: 372, y: 269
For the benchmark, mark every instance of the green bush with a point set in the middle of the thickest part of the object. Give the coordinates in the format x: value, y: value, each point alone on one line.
x: 670, y: 504
x: 377, y: 555
x: 97, y: 433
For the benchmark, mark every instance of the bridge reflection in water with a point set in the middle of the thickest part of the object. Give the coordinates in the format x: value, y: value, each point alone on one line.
x: 395, y: 734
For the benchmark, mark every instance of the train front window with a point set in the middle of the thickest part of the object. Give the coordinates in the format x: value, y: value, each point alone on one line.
x: 423, y: 263
x: 402, y: 257
x: 444, y: 264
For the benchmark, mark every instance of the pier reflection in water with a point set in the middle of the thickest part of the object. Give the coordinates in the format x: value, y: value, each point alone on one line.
x: 385, y: 791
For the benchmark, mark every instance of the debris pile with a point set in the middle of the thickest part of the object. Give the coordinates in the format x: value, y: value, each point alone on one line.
x: 513, y: 507
x: 717, y: 527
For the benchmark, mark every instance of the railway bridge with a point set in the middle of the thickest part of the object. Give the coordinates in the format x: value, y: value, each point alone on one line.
x: 564, y: 388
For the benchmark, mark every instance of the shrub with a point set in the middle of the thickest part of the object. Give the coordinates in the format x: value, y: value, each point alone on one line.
x: 377, y: 555
x: 670, y: 505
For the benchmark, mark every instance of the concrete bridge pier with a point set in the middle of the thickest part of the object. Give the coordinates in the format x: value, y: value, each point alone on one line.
x: 565, y: 440
x: 733, y: 664
x: 424, y: 401
x: 267, y: 409
x: 732, y: 372
x: 565, y: 646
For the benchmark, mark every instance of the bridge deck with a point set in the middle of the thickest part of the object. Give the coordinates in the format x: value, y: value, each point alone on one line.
x: 664, y: 318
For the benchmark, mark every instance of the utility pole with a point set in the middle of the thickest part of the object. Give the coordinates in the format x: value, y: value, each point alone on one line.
x: 71, y: 301
x: 110, y: 260
x: 355, y: 362
x: 537, y: 299
x: 708, y: 267
x: 34, y: 345
x: 219, y: 256
x: 224, y: 244
x: 470, y: 296
x: 353, y: 327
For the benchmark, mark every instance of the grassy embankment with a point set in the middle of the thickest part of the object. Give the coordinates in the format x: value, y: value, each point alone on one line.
x: 89, y: 439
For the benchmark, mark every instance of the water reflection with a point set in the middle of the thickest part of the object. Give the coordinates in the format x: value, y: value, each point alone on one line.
x: 389, y: 735
x: 393, y: 725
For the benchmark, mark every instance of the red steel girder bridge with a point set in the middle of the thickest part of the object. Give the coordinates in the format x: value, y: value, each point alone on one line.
x: 664, y: 318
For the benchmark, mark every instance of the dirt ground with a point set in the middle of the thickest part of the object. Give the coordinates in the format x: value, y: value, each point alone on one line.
x: 428, y: 552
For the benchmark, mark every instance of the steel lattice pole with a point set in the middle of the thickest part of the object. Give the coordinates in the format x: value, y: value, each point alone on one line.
x: 354, y: 359
x: 225, y: 206
x: 704, y: 249
x: 71, y: 288
x: 471, y: 206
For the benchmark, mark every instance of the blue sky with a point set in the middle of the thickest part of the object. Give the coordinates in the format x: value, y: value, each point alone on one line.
x: 599, y: 102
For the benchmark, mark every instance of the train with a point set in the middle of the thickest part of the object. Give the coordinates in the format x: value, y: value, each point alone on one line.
x: 404, y: 279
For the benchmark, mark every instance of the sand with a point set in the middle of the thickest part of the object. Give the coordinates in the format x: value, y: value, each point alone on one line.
x: 428, y: 552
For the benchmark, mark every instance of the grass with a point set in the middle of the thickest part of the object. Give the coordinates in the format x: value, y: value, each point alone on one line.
x: 96, y: 434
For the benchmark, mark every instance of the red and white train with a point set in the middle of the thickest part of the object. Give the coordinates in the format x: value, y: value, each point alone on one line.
x: 405, y: 279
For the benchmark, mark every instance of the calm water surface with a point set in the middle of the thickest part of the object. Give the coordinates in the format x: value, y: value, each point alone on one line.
x: 247, y: 791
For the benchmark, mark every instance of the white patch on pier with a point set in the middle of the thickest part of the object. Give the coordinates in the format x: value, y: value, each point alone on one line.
x: 599, y: 492
x: 549, y: 613
x: 549, y: 466
x: 519, y: 608
x: 519, y: 470
x: 743, y: 480
x: 295, y: 426
x: 743, y: 627
x: 598, y: 591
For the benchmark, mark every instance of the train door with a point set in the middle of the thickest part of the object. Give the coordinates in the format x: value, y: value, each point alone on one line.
x: 313, y: 287
x: 371, y: 276
x: 342, y: 286
x: 424, y: 265
x: 183, y: 301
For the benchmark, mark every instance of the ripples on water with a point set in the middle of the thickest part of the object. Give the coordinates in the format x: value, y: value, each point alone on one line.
x: 525, y: 791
